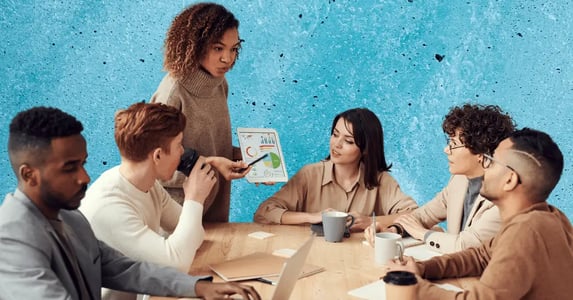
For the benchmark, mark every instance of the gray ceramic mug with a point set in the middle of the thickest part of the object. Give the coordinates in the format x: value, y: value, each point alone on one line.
x: 334, y: 223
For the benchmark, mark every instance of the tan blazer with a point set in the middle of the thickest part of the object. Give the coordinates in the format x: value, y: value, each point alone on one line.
x: 482, y: 223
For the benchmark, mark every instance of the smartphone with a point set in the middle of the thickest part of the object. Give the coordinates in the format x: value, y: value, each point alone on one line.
x: 254, y: 162
x: 317, y: 229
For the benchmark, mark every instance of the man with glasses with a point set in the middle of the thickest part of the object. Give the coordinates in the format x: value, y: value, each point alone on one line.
x: 532, y: 255
x: 471, y: 131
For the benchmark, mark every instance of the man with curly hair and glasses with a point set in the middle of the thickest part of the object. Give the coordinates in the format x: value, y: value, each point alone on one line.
x: 202, y: 45
x: 532, y: 255
x: 472, y: 131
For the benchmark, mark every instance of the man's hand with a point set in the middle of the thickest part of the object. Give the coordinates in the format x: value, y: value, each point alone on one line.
x: 227, y: 168
x: 412, y: 225
x: 213, y: 291
x: 408, y: 265
x: 200, y: 181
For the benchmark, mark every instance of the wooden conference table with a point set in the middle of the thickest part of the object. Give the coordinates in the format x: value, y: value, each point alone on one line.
x: 348, y: 264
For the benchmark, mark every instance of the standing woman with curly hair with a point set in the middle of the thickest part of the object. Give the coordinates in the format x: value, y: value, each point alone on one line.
x: 472, y: 131
x: 202, y: 45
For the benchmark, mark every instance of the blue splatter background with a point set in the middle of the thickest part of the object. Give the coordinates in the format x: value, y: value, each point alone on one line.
x: 302, y: 63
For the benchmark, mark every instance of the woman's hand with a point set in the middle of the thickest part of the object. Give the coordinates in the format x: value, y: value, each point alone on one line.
x: 412, y: 225
x: 360, y: 222
x: 227, y: 168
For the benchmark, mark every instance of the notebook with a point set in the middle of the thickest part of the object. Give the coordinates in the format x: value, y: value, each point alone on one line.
x: 257, y: 265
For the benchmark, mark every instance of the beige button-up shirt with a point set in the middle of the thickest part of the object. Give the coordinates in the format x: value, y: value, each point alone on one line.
x: 314, y: 189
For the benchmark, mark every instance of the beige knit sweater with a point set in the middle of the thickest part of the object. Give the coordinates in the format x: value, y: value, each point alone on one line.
x: 203, y: 100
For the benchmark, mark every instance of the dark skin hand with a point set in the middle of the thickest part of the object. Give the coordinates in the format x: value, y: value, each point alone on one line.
x: 215, y: 291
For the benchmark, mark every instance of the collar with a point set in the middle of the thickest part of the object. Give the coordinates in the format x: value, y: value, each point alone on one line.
x: 200, y: 83
x: 25, y: 200
x: 328, y: 174
x: 541, y: 206
x: 475, y: 181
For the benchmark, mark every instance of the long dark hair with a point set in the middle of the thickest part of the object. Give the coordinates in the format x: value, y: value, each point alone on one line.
x: 369, y: 137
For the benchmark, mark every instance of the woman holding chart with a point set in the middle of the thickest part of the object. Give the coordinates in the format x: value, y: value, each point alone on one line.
x: 202, y: 45
x: 354, y: 178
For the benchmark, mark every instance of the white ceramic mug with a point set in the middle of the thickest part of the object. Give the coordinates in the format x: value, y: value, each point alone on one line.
x: 387, y: 245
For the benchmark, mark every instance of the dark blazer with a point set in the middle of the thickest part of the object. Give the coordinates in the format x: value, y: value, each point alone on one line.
x: 32, y: 266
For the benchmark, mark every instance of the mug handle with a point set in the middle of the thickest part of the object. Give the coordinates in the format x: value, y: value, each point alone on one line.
x: 351, y: 222
x: 400, y: 250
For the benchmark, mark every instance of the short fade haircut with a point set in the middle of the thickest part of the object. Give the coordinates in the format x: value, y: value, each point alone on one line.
x: 143, y: 127
x: 32, y: 131
x: 482, y: 127
x: 190, y: 35
x: 369, y: 137
x: 539, y: 145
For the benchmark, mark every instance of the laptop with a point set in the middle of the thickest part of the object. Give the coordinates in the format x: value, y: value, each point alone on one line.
x: 291, y: 271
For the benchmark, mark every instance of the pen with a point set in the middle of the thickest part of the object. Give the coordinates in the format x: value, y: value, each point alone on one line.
x: 373, y: 223
x: 254, y: 162
x: 263, y: 280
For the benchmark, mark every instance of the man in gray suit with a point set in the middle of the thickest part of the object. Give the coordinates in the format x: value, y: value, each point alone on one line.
x: 47, y: 248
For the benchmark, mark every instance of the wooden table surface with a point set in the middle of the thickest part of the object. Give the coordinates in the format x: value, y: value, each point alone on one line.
x: 348, y: 264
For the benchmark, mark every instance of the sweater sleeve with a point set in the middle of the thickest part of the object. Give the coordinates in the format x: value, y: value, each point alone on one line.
x: 290, y: 197
x: 470, y: 262
x: 123, y: 273
x: 507, y: 276
x: 119, y: 225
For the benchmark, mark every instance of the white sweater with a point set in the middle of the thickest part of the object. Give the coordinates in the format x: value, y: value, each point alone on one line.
x: 130, y: 221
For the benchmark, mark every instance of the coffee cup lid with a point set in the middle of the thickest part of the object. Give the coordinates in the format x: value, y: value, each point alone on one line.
x: 400, y: 278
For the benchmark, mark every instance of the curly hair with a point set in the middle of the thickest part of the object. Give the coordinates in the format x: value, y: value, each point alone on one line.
x: 32, y: 131
x: 482, y: 127
x: 369, y: 137
x: 191, y: 33
x: 143, y: 127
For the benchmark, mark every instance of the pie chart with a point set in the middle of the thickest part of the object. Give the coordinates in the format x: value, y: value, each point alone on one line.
x: 272, y: 161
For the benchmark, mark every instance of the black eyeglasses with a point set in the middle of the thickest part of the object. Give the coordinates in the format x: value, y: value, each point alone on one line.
x: 488, y: 159
x: 454, y: 146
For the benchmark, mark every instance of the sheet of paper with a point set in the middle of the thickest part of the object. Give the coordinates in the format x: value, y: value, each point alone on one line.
x: 261, y: 235
x: 285, y: 252
x: 377, y: 290
x: 421, y: 252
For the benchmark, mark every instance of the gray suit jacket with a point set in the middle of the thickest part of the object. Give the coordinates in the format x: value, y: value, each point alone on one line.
x: 32, y: 266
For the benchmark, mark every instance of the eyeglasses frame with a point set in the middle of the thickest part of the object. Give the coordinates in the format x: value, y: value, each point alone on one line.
x: 487, y: 157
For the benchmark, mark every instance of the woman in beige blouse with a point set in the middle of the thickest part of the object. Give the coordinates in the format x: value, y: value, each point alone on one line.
x: 354, y: 178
